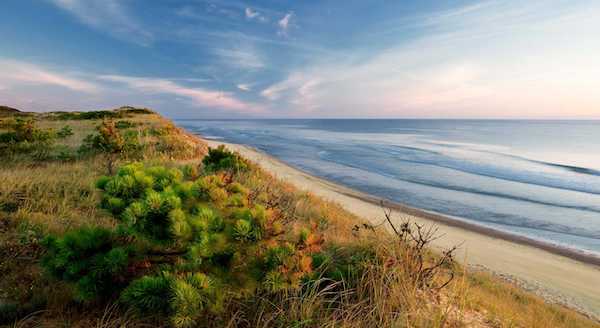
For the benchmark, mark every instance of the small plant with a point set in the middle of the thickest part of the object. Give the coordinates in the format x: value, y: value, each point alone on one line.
x: 64, y: 132
x: 109, y: 142
x: 124, y: 124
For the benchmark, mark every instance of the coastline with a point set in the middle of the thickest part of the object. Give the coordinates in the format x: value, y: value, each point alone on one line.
x: 557, y: 274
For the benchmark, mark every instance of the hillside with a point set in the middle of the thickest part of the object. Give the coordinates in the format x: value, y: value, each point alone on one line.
x: 5, y: 110
x: 119, y: 218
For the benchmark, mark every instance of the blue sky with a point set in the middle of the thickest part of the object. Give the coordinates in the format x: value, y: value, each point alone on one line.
x: 229, y: 59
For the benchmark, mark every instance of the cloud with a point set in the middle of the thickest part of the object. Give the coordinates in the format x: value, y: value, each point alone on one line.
x: 242, y: 57
x: 19, y: 73
x: 200, y: 97
x: 534, y: 64
x: 242, y: 86
x: 285, y: 23
x: 108, y: 16
x: 253, y: 14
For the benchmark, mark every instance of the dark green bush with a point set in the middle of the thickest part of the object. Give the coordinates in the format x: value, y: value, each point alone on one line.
x: 221, y: 158
x: 133, y: 110
x: 93, y: 115
x: 124, y: 124
x: 88, y: 257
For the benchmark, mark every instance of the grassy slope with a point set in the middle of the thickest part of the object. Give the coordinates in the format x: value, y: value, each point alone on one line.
x: 53, y: 196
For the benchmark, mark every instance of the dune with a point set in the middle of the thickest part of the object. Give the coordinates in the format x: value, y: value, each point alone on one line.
x: 559, y: 275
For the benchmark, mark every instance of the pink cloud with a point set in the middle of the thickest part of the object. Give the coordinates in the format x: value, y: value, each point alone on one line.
x: 202, y: 97
x: 20, y: 72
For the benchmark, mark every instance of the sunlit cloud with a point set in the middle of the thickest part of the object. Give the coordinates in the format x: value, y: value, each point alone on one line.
x: 199, y: 96
x: 23, y: 73
x: 244, y: 87
x: 487, y: 60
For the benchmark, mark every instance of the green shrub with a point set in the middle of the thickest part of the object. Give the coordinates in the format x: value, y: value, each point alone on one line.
x: 194, y: 241
x: 93, y: 115
x: 64, y: 132
x: 133, y: 110
x: 111, y: 143
x: 220, y: 158
x: 124, y: 124
x: 25, y: 137
x: 88, y: 257
x: 149, y: 294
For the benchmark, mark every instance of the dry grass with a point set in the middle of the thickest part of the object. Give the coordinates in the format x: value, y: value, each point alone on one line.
x: 54, y: 196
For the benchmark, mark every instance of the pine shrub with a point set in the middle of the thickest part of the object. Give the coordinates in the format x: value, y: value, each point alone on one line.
x: 88, y: 257
x: 193, y: 242
x: 220, y: 158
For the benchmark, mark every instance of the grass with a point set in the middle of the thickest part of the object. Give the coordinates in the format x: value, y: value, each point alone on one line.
x: 52, y: 195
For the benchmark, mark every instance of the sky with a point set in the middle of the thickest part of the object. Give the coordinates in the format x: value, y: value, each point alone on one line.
x: 304, y: 59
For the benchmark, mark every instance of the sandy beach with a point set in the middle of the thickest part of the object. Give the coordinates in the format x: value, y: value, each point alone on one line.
x: 558, y: 275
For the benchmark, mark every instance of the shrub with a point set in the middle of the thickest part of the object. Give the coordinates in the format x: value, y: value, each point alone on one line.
x: 88, y: 257
x: 109, y: 142
x: 92, y: 115
x: 25, y: 137
x: 134, y: 110
x: 220, y: 158
x: 124, y: 124
x: 66, y: 131
x: 203, y: 239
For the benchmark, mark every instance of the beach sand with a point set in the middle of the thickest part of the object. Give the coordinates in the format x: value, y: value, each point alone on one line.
x: 558, y: 275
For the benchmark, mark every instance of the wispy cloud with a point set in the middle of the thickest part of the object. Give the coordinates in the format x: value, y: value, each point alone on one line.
x: 252, y: 14
x: 285, y: 23
x: 108, y: 16
x: 200, y: 97
x: 243, y: 57
x: 18, y: 72
x: 244, y: 87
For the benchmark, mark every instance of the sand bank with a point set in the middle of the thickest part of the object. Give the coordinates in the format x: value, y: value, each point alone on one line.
x: 557, y: 274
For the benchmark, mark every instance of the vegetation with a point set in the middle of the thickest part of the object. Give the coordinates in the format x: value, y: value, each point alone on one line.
x: 5, y: 110
x: 184, y: 236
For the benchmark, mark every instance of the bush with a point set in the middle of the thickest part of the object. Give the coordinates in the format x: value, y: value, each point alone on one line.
x: 88, y: 257
x: 109, y: 142
x: 25, y: 137
x: 203, y: 238
x: 133, y: 110
x: 93, y: 115
x: 220, y: 158
x: 66, y: 131
x: 124, y: 124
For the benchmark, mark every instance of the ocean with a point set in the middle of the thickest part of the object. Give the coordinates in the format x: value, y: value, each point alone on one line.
x: 538, y: 179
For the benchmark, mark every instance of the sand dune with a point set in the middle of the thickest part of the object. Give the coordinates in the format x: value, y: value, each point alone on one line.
x: 564, y: 278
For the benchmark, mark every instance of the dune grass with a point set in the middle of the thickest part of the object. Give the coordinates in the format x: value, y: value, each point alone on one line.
x: 57, y: 194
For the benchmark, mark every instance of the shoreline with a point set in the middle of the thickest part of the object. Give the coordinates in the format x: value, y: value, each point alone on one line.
x: 559, y: 275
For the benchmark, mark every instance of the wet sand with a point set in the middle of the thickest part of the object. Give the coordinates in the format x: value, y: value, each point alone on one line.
x: 557, y: 274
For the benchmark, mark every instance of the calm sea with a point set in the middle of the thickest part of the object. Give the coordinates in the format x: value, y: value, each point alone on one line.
x: 540, y: 179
